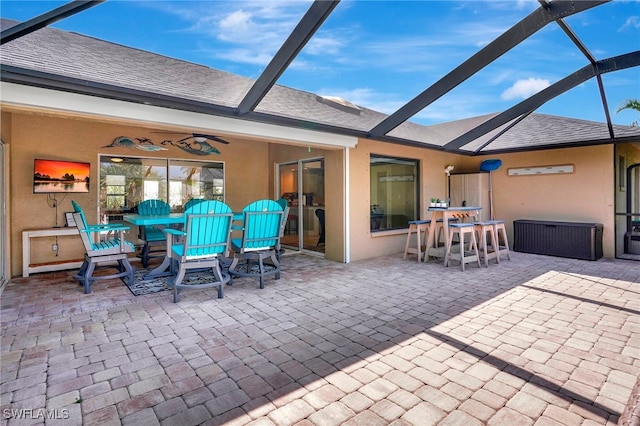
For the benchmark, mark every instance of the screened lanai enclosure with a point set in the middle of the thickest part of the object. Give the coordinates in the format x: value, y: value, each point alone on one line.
x: 449, y: 69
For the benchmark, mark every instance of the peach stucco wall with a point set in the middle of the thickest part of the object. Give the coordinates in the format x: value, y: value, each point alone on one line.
x: 364, y: 243
x: 587, y: 195
x: 32, y: 136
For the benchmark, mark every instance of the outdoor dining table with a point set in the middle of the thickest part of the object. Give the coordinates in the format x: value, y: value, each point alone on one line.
x: 445, y: 215
x: 163, y: 220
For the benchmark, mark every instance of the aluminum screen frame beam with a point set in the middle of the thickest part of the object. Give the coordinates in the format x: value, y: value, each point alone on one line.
x: 530, y: 104
x: 46, y: 19
x: 585, y: 51
x: 505, y: 42
x: 306, y: 28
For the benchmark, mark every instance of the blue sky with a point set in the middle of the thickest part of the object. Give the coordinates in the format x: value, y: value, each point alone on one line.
x: 381, y: 54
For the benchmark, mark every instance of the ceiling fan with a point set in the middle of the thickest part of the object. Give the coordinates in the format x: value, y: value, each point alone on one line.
x: 198, y: 137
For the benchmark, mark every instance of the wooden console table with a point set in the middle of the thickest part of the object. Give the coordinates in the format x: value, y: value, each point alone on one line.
x: 27, y: 235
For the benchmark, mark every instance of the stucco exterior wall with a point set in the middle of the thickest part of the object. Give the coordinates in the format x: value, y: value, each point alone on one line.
x: 247, y: 173
x: 364, y: 243
x: 587, y: 195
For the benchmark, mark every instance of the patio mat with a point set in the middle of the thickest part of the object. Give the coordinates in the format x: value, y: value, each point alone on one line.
x: 253, y: 268
x: 142, y: 285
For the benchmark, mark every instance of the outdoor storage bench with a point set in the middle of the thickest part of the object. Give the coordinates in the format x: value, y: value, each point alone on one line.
x: 563, y: 239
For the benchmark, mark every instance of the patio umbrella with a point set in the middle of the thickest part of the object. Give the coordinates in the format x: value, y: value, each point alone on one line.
x: 489, y: 166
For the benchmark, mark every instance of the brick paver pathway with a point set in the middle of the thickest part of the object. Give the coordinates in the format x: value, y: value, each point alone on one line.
x: 535, y: 340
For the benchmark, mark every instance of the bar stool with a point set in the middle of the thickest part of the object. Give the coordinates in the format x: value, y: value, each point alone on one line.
x: 418, y: 227
x: 500, y: 231
x: 482, y: 228
x: 462, y: 229
x: 441, y: 231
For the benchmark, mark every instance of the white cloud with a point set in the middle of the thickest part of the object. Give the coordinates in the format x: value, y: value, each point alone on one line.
x: 324, y: 45
x: 522, y: 89
x: 234, y: 24
x: 252, y: 30
x: 244, y: 56
x: 632, y: 22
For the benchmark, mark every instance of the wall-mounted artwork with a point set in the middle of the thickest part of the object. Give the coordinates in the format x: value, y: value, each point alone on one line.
x: 51, y: 176
x: 143, y: 144
x: 541, y: 170
x: 195, y: 143
x: 194, y: 146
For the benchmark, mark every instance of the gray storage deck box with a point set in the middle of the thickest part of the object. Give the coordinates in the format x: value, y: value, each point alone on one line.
x: 564, y: 239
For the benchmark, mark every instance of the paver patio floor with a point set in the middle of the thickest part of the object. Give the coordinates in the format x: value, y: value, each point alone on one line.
x: 386, y: 341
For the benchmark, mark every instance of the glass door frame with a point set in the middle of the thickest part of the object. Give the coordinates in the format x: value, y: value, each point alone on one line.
x: 300, y: 196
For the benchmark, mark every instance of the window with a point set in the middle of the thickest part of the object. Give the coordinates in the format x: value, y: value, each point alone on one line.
x: 394, y: 192
x: 126, y: 181
x: 195, y: 179
x: 115, y: 192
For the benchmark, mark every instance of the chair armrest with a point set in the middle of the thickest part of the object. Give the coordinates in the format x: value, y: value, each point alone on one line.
x: 105, y: 227
x: 174, y: 232
x: 170, y: 232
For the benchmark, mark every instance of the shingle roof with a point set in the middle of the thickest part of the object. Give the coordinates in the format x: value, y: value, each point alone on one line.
x: 87, y: 61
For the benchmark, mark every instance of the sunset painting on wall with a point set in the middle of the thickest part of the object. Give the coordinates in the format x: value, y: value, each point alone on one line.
x: 51, y: 176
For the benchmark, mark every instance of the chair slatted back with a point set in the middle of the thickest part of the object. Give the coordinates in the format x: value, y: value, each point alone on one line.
x: 84, y: 233
x: 192, y: 202
x: 262, y: 225
x: 153, y: 207
x: 285, y: 208
x: 78, y: 209
x: 208, y: 229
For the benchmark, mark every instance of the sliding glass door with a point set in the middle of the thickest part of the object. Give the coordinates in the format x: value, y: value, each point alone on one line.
x: 301, y: 183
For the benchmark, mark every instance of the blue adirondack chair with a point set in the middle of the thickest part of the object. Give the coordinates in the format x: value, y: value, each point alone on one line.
x: 204, y: 240
x: 192, y: 202
x: 153, y: 236
x: 261, y: 230
x: 99, y: 250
